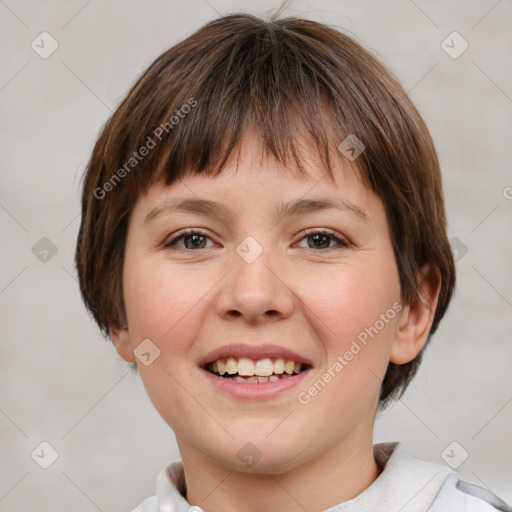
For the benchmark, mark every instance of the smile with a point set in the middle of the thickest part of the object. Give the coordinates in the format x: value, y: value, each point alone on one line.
x: 248, y: 370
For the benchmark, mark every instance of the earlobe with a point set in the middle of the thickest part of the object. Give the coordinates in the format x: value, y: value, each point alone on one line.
x: 416, y: 319
x: 120, y: 337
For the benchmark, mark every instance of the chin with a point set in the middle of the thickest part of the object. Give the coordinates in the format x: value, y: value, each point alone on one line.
x: 267, y: 465
x: 261, y: 456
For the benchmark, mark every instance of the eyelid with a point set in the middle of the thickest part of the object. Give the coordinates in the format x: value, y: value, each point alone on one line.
x: 182, y: 233
x: 342, y: 240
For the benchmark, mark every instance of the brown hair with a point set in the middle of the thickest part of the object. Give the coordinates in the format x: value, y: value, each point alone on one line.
x: 283, y: 78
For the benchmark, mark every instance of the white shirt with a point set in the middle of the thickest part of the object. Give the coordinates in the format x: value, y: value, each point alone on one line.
x: 406, y: 484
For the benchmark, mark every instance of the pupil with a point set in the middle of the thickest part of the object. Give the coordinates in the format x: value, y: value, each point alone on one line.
x: 319, y: 237
x: 194, y: 239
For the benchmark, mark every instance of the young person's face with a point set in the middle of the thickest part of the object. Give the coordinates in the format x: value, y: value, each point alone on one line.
x: 251, y: 283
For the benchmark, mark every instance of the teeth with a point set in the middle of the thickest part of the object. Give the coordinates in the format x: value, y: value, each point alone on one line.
x: 245, y: 367
x: 262, y: 370
x: 279, y: 366
x: 231, y: 366
x: 263, y: 367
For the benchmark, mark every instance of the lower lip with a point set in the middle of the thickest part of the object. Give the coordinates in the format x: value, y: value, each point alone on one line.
x: 254, y: 390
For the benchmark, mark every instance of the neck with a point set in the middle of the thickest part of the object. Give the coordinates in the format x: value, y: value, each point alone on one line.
x: 340, y: 474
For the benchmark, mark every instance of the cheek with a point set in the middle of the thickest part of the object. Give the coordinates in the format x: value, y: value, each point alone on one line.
x: 348, y: 299
x: 357, y: 322
x: 160, y: 300
x: 162, y: 303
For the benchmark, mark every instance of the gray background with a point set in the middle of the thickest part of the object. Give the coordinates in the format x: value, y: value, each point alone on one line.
x: 63, y: 384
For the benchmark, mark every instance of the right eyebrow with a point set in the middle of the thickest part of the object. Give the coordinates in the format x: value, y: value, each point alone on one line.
x: 191, y: 205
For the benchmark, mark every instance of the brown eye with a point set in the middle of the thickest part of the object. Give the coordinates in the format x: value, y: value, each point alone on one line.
x: 319, y: 241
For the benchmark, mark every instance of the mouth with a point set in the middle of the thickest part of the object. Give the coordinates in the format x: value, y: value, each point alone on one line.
x: 245, y: 370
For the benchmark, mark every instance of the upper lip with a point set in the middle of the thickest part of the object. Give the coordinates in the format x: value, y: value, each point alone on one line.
x: 254, y: 352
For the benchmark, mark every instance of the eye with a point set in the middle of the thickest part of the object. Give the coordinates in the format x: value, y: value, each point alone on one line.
x: 192, y: 239
x: 322, y: 238
x: 317, y: 239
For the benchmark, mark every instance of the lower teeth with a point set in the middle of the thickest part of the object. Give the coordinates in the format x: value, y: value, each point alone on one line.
x: 255, y: 378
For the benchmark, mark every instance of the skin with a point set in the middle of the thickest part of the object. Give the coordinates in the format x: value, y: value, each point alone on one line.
x: 315, y: 301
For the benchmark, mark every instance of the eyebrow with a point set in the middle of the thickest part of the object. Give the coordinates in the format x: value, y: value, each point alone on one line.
x: 293, y: 208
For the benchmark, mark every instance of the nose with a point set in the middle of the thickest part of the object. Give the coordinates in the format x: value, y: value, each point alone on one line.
x: 255, y: 290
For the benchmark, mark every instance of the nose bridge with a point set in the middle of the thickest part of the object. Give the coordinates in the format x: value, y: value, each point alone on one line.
x: 253, y: 289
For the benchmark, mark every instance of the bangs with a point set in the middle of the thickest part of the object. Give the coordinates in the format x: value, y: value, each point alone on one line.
x: 265, y: 79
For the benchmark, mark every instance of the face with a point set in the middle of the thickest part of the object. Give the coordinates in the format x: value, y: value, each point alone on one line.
x: 236, y: 300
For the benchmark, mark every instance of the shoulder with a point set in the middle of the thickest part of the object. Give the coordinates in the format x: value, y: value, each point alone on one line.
x: 170, y: 492
x: 148, y: 505
x: 457, y: 495
x: 436, y: 487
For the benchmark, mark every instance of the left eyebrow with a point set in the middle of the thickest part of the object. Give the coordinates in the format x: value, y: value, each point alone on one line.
x: 303, y: 206
x: 293, y: 208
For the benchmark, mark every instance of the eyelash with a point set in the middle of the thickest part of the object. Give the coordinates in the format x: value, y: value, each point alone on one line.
x: 342, y: 244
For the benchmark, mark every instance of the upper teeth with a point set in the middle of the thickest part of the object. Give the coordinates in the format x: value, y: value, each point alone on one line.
x: 261, y: 367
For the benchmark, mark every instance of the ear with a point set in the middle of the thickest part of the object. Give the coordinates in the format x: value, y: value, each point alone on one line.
x: 417, y: 317
x: 120, y: 336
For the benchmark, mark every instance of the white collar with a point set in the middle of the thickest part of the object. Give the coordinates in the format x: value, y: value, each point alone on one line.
x: 406, y: 484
